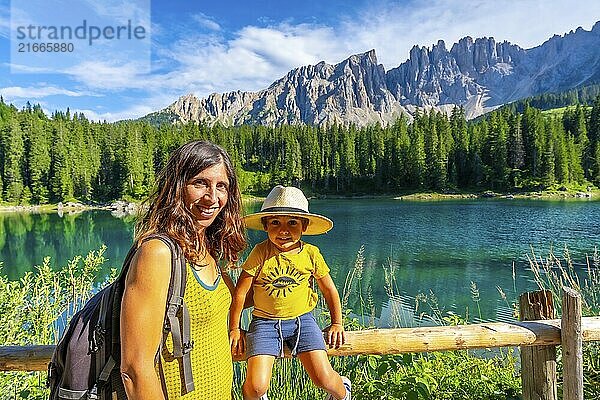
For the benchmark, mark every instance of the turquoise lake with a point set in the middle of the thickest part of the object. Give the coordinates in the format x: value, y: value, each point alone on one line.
x: 437, y: 247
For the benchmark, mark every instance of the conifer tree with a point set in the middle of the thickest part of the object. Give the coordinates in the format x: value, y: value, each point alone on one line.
x: 292, y: 158
x: 13, y: 152
x: 431, y: 141
x: 61, y: 182
x: 547, y: 164
x: 561, y: 155
x: 445, y: 143
x: 533, y: 136
x: 416, y: 158
x: 348, y: 165
x: 515, y: 149
x: 39, y: 160
x: 132, y: 155
x: 397, y: 151
x: 311, y: 156
x: 459, y: 162
x: 592, y: 155
x: 497, y: 145
x: 478, y: 133
x: 574, y: 159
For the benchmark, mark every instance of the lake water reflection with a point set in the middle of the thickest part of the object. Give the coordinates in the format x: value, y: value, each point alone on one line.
x: 438, y: 247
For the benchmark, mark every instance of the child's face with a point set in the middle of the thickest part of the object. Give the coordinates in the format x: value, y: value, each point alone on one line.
x: 285, y: 232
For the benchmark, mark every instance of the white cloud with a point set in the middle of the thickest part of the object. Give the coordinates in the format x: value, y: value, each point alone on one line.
x: 392, y: 29
x: 206, y: 22
x: 291, y: 45
x: 250, y: 61
x: 137, y: 110
x: 26, y: 68
x: 256, y: 56
x: 209, y: 63
x: 129, y: 113
x: 17, y: 92
x: 253, y: 57
x: 123, y: 10
x: 4, y: 21
x: 108, y: 75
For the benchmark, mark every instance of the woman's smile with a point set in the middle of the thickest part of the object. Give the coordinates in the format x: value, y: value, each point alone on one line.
x: 208, y: 212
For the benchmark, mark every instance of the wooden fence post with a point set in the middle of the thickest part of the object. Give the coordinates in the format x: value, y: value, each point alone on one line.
x: 538, y: 363
x: 572, y: 345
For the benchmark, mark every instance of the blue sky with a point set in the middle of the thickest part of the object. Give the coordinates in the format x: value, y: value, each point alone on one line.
x: 203, y: 46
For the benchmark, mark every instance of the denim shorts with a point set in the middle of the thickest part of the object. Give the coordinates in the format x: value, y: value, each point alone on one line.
x: 267, y: 336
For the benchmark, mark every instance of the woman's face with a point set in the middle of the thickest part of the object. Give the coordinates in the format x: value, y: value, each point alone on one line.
x: 206, y: 194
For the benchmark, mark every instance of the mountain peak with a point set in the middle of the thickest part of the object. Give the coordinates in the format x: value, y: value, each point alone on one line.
x: 368, y: 57
x: 440, y: 46
x: 478, y: 74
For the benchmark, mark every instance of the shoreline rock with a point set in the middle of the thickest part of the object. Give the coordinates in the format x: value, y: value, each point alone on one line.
x: 122, y: 208
x: 119, y: 208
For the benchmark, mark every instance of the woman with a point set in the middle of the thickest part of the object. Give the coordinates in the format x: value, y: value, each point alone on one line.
x: 197, y: 203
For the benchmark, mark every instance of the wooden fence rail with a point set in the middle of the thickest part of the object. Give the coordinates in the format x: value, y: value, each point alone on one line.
x: 538, y: 333
x: 383, y: 341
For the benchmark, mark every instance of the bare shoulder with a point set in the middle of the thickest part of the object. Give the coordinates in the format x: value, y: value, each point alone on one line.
x: 153, y: 261
x: 155, y: 248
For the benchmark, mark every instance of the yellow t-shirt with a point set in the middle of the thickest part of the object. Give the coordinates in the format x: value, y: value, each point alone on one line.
x: 212, y: 366
x: 283, y: 290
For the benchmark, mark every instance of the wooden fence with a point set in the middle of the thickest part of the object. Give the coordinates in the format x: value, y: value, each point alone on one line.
x: 537, y: 334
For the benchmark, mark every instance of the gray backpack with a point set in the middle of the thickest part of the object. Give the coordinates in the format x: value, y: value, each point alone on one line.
x: 86, y: 361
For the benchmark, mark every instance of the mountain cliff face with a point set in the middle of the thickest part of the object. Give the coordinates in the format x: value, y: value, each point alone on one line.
x: 478, y: 74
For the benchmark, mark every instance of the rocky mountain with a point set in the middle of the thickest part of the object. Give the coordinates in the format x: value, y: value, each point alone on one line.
x: 479, y: 75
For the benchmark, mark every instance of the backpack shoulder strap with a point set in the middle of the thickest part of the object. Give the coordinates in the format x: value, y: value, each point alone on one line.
x: 177, y: 317
x: 178, y: 270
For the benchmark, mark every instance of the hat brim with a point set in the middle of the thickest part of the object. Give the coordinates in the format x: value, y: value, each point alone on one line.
x: 317, y: 224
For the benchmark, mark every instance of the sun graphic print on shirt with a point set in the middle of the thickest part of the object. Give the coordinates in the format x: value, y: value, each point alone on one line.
x: 280, y: 281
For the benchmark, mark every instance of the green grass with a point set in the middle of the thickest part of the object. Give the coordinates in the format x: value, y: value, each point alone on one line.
x: 554, y: 271
x: 33, y: 307
x: 558, y: 112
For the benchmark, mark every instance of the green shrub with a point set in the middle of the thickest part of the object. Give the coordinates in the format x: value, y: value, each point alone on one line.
x: 552, y: 273
x: 35, y: 308
x: 488, y: 375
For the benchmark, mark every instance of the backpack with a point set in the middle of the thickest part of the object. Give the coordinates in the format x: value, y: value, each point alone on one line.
x: 86, y: 361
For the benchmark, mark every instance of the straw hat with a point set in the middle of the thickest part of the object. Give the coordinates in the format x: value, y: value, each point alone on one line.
x: 288, y: 200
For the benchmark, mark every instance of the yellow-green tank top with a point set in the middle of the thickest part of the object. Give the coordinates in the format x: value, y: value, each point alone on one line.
x: 211, y: 356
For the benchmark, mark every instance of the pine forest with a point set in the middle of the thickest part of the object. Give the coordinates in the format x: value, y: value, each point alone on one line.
x: 66, y: 157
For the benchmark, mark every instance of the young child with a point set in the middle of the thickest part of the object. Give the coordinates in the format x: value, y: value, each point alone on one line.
x: 280, y: 270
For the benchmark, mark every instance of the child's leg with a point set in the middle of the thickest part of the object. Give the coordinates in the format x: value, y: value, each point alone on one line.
x: 258, y: 376
x: 321, y: 373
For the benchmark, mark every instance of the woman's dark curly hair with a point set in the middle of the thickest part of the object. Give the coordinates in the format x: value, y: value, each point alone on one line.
x: 167, y: 213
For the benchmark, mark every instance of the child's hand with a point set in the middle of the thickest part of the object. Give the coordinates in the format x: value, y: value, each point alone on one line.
x: 335, y: 335
x: 237, y: 341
